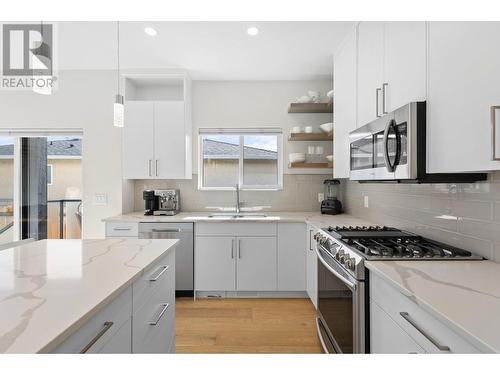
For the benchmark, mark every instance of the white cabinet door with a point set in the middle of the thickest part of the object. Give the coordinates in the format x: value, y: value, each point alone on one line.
x: 344, y: 113
x: 404, y: 64
x: 215, y: 263
x: 291, y: 257
x: 256, y: 267
x: 386, y: 337
x: 464, y: 81
x: 138, y: 148
x: 169, y: 139
x: 311, y: 267
x: 370, y: 71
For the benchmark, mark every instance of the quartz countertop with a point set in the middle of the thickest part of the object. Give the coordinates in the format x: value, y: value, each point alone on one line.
x: 49, y: 288
x: 464, y: 295
x: 314, y: 218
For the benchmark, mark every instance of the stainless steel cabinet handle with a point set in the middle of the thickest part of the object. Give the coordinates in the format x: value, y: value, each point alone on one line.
x: 163, y: 270
x: 384, y: 86
x: 310, y: 239
x: 156, y: 167
x: 123, y: 228
x: 150, y: 161
x: 440, y: 347
x: 163, y: 310
x: 377, y: 91
x: 165, y: 230
x: 232, y: 249
x: 239, y: 249
x: 494, y: 132
x: 107, y: 325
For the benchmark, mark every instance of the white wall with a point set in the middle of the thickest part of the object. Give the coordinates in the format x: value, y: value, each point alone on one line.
x: 245, y: 104
x: 84, y: 100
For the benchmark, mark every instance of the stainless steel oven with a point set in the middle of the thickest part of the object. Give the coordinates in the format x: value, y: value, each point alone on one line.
x: 393, y: 148
x: 341, y: 320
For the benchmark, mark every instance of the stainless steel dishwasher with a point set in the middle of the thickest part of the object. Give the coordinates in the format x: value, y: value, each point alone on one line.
x: 184, y: 264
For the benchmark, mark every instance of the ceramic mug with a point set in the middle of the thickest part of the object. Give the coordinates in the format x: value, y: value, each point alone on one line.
x: 319, y: 150
x: 309, y: 129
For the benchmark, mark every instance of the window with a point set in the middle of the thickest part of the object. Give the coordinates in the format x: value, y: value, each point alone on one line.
x: 50, y: 169
x: 251, y: 158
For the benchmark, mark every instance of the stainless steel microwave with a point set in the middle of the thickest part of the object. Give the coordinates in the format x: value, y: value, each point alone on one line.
x: 393, y: 149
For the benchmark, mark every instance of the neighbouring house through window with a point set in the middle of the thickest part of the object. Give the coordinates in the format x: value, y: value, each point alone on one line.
x: 251, y: 158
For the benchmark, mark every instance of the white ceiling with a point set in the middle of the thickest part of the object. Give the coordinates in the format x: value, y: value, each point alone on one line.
x: 207, y: 50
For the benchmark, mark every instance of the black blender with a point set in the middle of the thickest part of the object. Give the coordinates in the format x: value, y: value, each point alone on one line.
x: 331, y: 205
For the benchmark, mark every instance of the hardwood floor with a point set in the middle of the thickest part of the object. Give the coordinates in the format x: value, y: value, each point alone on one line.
x: 246, y: 326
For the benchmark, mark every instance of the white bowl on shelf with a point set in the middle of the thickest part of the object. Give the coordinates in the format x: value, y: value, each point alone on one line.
x: 304, y: 99
x: 329, y: 158
x: 327, y: 127
x: 297, y: 157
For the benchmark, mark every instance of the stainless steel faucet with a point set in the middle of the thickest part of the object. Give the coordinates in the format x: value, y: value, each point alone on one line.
x: 237, y: 198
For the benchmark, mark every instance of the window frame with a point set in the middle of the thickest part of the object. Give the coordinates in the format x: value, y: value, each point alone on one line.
x: 242, y: 133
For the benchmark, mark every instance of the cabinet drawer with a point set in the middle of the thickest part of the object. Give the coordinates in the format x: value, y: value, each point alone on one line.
x: 153, y: 327
x: 122, y: 229
x: 420, y: 325
x: 99, y: 330
x: 386, y: 337
x: 235, y: 229
x: 159, y: 277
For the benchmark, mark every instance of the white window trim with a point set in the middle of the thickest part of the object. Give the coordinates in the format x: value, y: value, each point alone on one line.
x: 51, y: 166
x: 241, y: 133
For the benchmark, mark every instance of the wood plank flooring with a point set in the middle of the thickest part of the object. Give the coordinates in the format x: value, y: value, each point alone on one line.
x: 246, y: 326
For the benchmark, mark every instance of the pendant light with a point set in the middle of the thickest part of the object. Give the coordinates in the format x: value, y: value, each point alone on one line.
x: 40, y: 60
x: 118, y: 107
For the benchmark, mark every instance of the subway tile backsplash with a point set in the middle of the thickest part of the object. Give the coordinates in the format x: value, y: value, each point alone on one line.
x: 300, y: 193
x: 463, y: 215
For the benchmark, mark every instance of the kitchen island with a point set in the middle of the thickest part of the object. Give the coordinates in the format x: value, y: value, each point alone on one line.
x: 53, y: 291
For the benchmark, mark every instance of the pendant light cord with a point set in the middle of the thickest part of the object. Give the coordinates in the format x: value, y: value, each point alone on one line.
x: 118, y: 54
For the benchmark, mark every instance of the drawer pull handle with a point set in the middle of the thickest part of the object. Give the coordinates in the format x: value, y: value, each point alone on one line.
x: 164, y: 269
x: 107, y: 325
x: 163, y: 310
x: 124, y: 228
x: 440, y: 347
x: 165, y: 230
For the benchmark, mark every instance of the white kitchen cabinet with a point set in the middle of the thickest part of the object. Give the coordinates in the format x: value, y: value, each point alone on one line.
x: 426, y: 330
x: 215, y: 263
x: 463, y: 85
x: 138, y: 140
x: 121, y: 229
x: 344, y: 112
x: 370, y: 71
x: 386, y: 336
x: 256, y: 264
x: 404, y: 64
x: 291, y: 256
x: 311, y: 267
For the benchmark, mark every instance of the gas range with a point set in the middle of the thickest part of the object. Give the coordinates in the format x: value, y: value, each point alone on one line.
x: 350, y: 246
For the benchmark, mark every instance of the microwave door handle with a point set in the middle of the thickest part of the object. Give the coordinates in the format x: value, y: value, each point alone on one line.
x: 390, y: 167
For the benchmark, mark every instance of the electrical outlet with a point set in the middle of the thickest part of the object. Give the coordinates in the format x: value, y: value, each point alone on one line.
x: 321, y: 197
x: 100, y: 199
x: 366, y: 202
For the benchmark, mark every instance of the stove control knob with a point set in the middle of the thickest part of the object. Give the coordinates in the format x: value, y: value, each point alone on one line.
x: 339, y: 254
x: 350, y: 264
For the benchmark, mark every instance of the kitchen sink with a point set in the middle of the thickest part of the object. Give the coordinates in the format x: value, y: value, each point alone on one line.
x: 235, y: 215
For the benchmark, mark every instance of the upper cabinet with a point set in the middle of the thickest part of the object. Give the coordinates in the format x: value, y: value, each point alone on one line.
x: 464, y: 81
x: 391, y: 67
x: 157, y: 135
x: 344, y: 113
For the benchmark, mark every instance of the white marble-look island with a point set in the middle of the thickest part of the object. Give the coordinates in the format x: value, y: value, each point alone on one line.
x: 51, y: 288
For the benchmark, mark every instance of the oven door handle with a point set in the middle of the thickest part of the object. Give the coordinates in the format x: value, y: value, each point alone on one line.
x: 349, y: 284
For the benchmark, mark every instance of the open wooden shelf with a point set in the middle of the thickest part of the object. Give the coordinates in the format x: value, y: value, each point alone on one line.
x: 310, y: 108
x: 311, y: 137
x: 309, y: 165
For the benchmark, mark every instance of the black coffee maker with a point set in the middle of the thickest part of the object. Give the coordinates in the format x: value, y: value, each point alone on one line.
x: 150, y: 202
x: 331, y: 205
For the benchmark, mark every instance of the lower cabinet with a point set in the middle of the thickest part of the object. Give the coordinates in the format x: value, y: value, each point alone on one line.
x: 311, y: 267
x: 399, y: 325
x: 215, y: 263
x: 141, y: 319
x: 256, y: 264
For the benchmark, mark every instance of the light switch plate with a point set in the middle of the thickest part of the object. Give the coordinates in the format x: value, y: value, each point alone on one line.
x: 100, y: 199
x: 321, y: 197
x: 366, y: 202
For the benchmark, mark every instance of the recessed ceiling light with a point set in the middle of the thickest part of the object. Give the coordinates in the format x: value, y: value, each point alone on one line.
x: 252, y: 31
x: 150, y: 31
